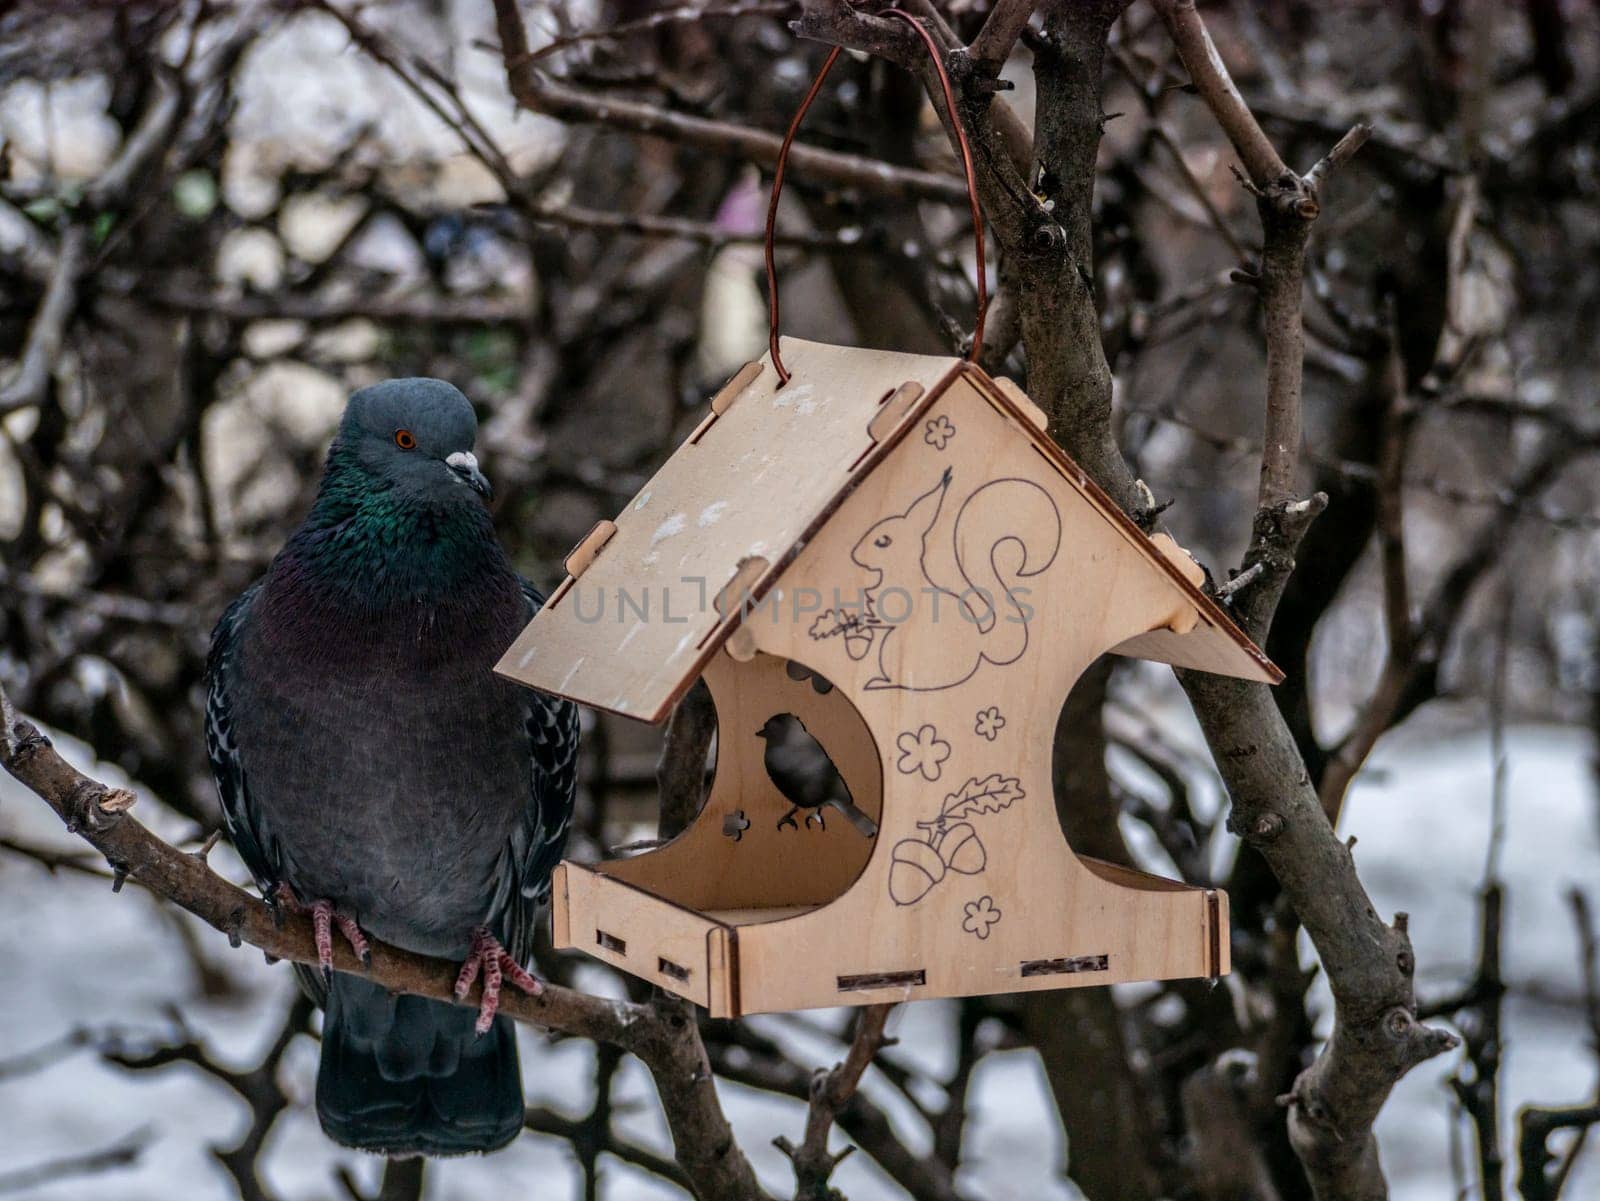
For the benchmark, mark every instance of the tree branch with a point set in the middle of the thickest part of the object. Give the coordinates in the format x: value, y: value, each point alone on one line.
x: 1001, y: 29
x: 1216, y: 88
x: 662, y: 1033
x: 564, y: 102
x: 257, y: 1087
x: 49, y: 327
x: 830, y: 1092
x: 1535, y: 1180
x: 1288, y: 204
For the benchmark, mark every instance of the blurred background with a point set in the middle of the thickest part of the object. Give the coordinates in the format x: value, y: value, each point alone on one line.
x: 217, y: 219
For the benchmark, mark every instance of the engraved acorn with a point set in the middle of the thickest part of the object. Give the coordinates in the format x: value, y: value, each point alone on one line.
x: 949, y: 843
x: 915, y: 869
x: 961, y: 850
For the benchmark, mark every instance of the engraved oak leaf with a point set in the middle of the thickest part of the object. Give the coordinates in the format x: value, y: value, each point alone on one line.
x: 990, y: 794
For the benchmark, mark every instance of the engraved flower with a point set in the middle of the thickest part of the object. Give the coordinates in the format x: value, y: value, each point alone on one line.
x: 923, y: 752
x: 938, y: 432
x: 989, y: 723
x: 981, y: 916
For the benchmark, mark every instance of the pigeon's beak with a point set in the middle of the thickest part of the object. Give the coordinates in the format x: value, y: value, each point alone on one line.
x: 465, y: 464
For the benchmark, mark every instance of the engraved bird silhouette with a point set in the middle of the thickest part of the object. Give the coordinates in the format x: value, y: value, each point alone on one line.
x: 801, y: 770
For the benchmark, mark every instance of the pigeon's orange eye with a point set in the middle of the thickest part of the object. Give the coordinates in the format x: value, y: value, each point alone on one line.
x: 404, y: 440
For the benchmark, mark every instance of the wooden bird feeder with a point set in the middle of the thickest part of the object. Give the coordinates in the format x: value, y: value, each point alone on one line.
x: 890, y: 549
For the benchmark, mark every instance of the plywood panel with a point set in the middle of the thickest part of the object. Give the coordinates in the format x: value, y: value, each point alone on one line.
x: 972, y: 888
x: 755, y: 862
x: 633, y: 631
x: 645, y: 935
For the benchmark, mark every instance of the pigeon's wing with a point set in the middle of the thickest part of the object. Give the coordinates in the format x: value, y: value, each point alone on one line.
x: 242, y: 818
x: 551, y: 725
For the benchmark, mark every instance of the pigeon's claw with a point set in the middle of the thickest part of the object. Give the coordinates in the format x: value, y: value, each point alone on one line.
x: 323, y: 920
x: 497, y: 965
x: 788, y: 819
x: 816, y: 816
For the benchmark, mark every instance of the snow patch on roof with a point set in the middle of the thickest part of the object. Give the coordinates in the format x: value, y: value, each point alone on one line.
x: 669, y: 527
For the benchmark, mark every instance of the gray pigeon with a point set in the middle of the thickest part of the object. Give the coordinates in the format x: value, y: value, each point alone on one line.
x: 376, y: 774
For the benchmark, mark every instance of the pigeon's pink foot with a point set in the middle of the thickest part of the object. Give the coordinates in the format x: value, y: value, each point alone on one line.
x: 323, y: 920
x: 496, y: 964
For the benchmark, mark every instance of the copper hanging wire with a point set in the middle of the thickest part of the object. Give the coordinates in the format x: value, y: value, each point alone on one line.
x: 937, y: 58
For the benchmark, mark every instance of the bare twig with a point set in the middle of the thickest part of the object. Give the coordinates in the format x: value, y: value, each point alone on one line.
x: 1396, y: 436
x: 1215, y: 85
x: 543, y: 1120
x: 150, y: 137
x: 120, y: 1154
x: 1405, y: 683
x: 670, y: 16
x: 1288, y: 204
x: 1478, y: 1090
x: 830, y: 1092
x: 258, y: 1087
x: 1377, y: 1037
x: 46, y: 334
x: 1001, y: 29
x: 1536, y: 1182
x: 661, y: 1033
x: 1242, y: 580
x: 442, y: 99
x: 400, y: 310
x: 567, y: 103
x: 651, y: 226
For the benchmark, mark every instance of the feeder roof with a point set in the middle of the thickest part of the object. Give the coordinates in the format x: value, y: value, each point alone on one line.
x: 638, y: 617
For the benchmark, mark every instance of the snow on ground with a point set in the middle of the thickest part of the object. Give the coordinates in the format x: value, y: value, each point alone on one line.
x: 73, y: 954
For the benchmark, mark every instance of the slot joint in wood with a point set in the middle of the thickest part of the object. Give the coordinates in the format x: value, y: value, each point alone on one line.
x: 731, y: 390
x: 892, y: 411
x: 560, y: 593
x: 611, y: 942
x: 915, y: 978
x: 589, y: 546
x: 1066, y: 966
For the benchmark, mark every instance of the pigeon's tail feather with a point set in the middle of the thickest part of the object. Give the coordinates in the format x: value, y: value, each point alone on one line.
x: 404, y: 1075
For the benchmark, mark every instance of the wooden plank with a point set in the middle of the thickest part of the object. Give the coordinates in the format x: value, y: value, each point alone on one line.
x: 645, y: 935
x: 635, y: 631
x: 560, y: 909
x: 754, y: 917
x: 894, y: 410
x: 1022, y: 402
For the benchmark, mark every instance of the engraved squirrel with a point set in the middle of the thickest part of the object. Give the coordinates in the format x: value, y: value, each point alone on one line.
x: 963, y: 605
